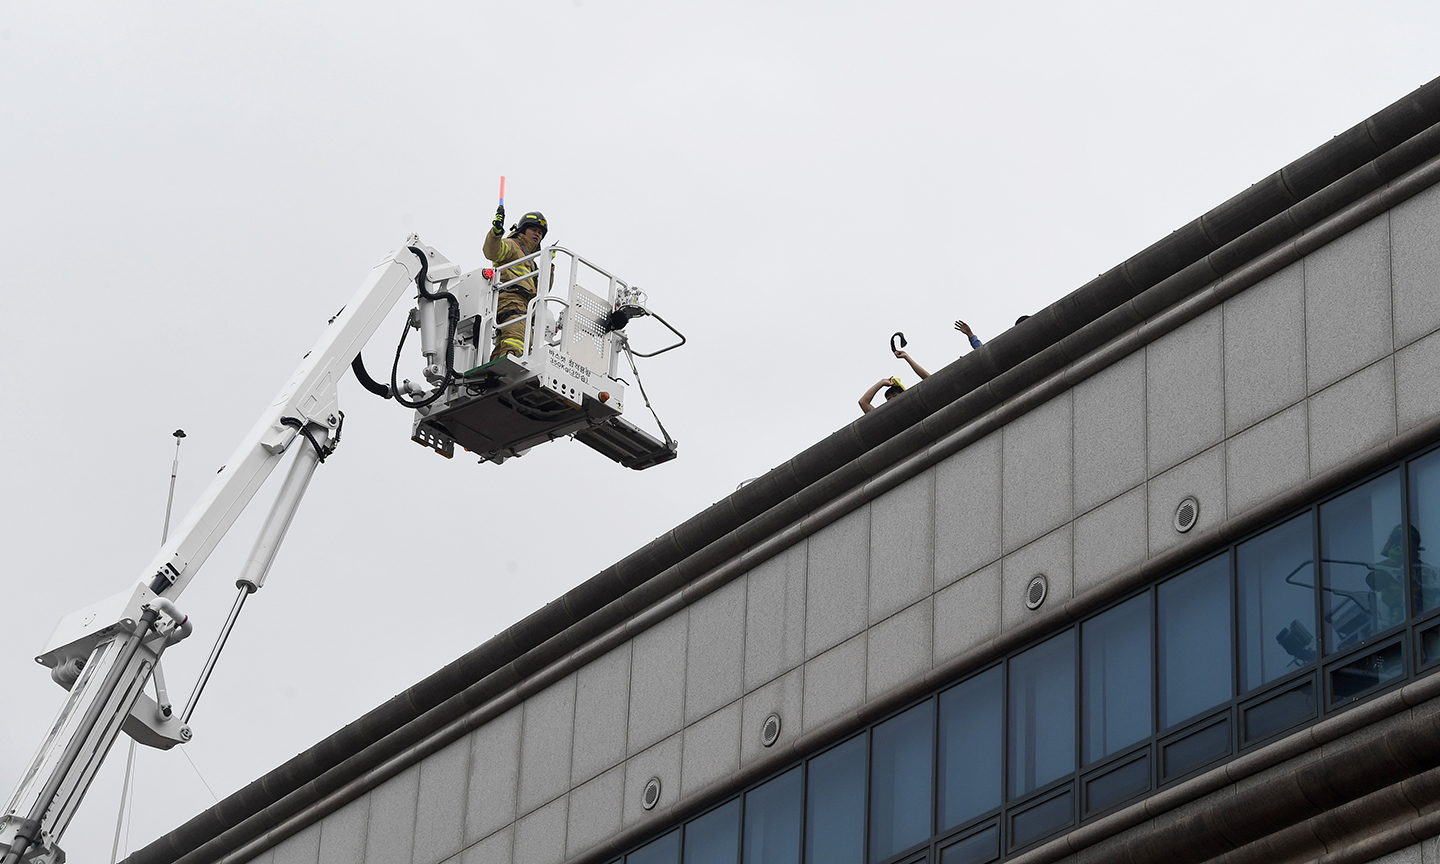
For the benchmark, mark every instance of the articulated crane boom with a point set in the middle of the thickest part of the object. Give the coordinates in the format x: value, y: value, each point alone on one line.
x: 563, y: 383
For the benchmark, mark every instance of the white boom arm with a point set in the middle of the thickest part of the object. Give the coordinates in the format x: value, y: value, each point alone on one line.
x: 560, y: 385
x: 107, y: 652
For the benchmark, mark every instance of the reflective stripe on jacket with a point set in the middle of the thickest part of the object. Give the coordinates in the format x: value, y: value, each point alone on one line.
x: 510, y: 248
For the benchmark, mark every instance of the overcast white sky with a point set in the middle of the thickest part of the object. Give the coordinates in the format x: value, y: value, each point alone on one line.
x: 189, y: 190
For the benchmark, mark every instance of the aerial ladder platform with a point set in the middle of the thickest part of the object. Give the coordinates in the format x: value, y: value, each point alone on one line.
x: 565, y: 382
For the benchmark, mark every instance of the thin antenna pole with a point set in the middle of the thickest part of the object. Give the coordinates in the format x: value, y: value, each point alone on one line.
x: 124, y: 795
x: 170, y: 499
x: 130, y: 759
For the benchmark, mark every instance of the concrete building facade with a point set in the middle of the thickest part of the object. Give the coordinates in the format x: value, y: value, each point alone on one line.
x: 1145, y: 578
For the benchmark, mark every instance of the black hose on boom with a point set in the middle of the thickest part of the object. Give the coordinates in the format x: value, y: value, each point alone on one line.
x: 454, y: 316
x: 358, y: 367
x: 320, y: 452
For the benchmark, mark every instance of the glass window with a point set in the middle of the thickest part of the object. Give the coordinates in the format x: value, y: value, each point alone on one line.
x: 1276, y: 576
x: 1362, y: 562
x: 772, y: 821
x: 972, y: 717
x: 835, y: 805
x: 666, y: 850
x: 1115, y: 670
x: 715, y: 837
x: 979, y: 848
x: 1367, y: 672
x: 1194, y: 627
x: 1042, y: 714
x: 902, y: 764
x: 1425, y: 526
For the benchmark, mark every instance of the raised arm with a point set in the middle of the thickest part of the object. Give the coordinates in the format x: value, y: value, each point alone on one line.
x: 494, y: 245
x: 865, y: 406
x: 969, y: 334
x: 913, y: 365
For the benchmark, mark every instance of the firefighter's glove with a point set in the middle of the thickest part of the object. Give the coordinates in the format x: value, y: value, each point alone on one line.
x: 498, y: 225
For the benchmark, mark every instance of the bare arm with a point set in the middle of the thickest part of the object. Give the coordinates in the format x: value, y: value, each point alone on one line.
x: 865, y: 406
x: 913, y: 365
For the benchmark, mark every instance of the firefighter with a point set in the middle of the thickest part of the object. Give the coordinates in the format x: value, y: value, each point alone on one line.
x: 524, y: 239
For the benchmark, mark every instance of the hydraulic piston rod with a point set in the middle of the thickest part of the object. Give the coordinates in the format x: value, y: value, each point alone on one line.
x: 262, y: 555
x: 277, y: 521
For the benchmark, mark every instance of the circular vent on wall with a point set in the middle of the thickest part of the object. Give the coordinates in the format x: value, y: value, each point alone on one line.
x: 651, y: 796
x: 1035, y: 592
x: 1187, y: 514
x: 770, y: 730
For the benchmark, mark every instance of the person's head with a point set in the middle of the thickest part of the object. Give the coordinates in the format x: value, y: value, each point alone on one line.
x: 894, y: 389
x: 532, y: 226
x: 1392, y: 549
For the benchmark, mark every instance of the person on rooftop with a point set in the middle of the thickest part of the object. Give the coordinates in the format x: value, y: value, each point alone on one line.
x: 969, y: 334
x: 891, y: 386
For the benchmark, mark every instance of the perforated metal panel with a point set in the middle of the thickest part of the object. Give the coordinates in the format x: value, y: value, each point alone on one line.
x: 587, y: 343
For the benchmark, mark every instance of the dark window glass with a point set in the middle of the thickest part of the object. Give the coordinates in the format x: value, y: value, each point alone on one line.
x: 902, y: 763
x: 1042, y: 819
x: 1277, y: 713
x: 972, y: 718
x: 1195, y: 656
x: 835, y: 805
x: 1276, y: 575
x: 1195, y: 748
x: 1115, y: 687
x: 1115, y: 784
x: 772, y: 821
x: 1425, y: 526
x: 1366, y: 673
x: 1042, y: 714
x: 978, y: 848
x: 715, y: 837
x: 1429, y: 645
x: 666, y: 850
x: 1362, y: 562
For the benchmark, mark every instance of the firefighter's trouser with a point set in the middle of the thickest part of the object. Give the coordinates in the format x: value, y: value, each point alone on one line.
x: 511, y: 338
